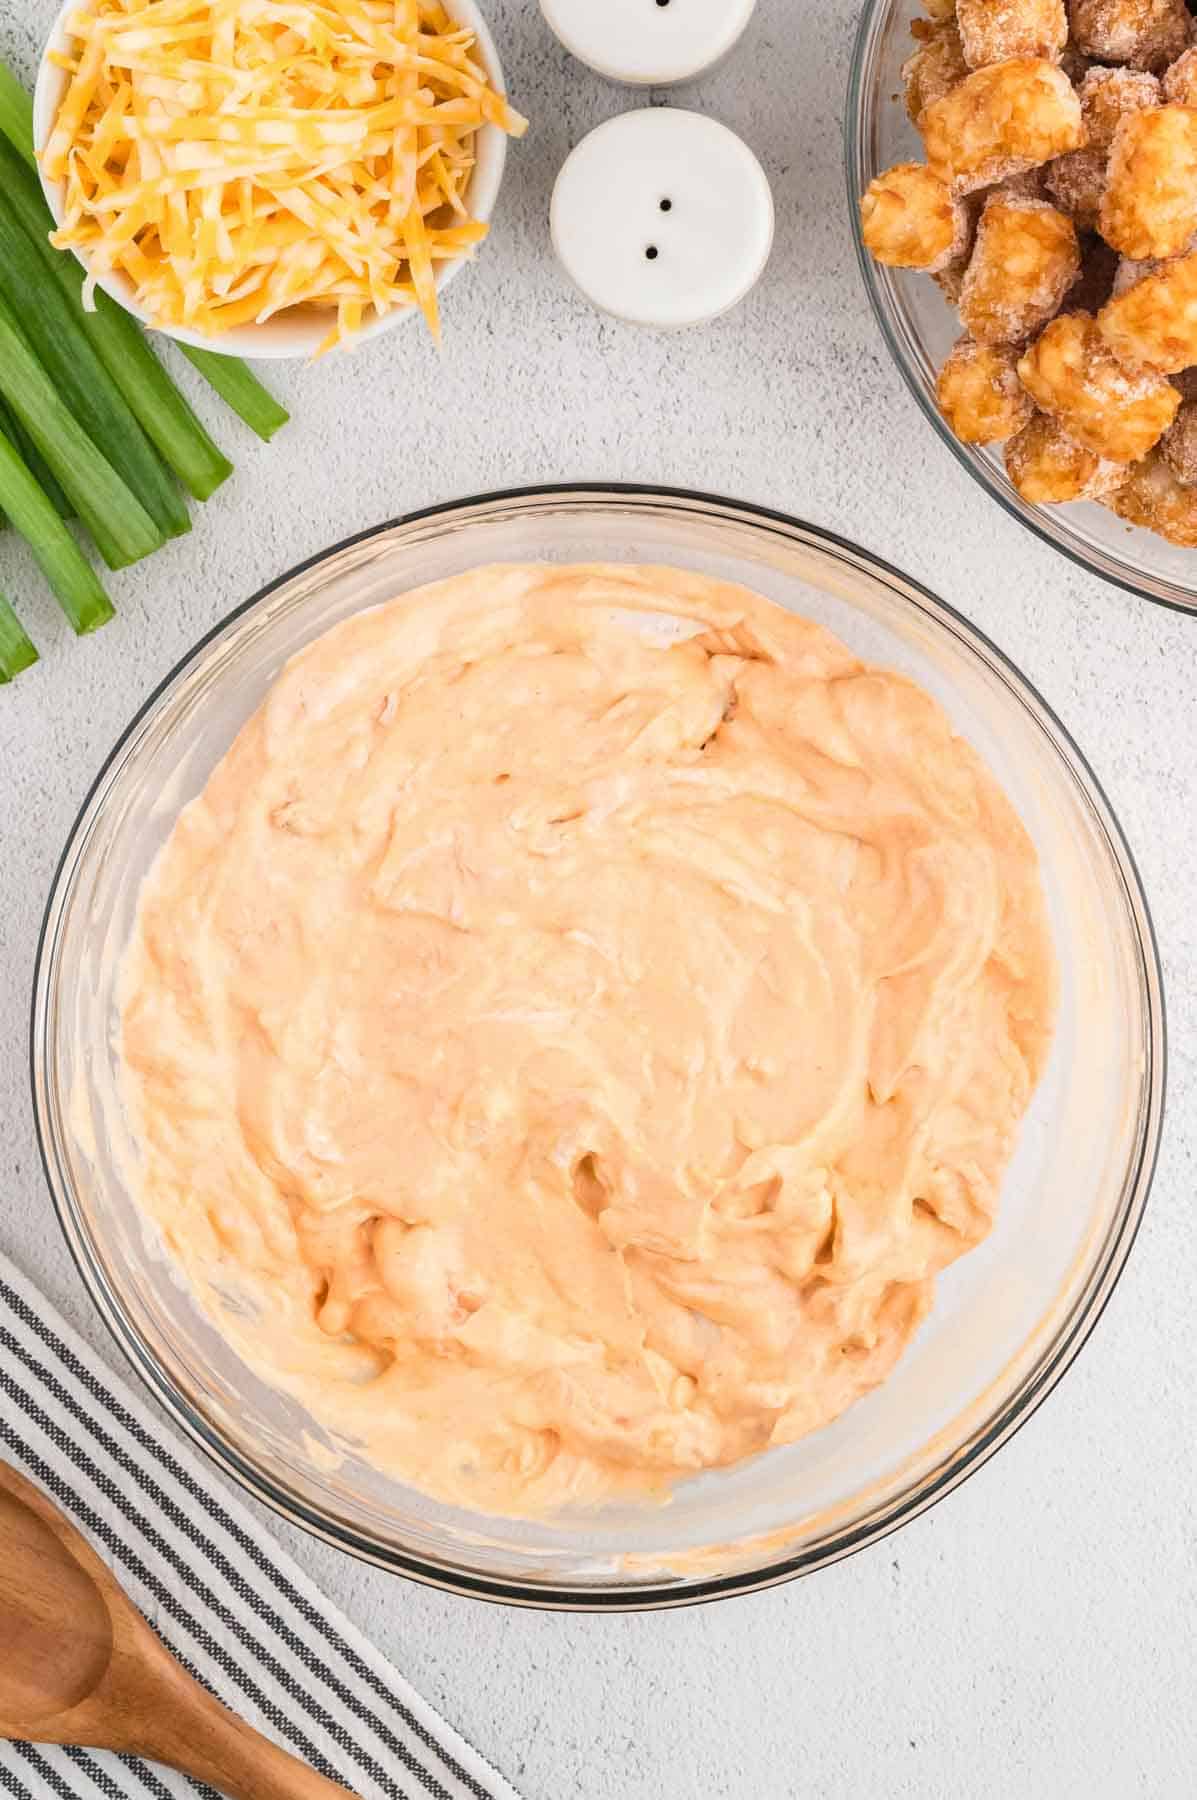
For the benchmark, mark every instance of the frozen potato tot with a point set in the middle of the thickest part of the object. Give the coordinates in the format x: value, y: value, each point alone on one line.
x: 1001, y: 120
x: 1149, y: 208
x: 935, y: 68
x: 1077, y: 185
x: 1147, y: 34
x: 1178, y: 446
x: 940, y: 10
x: 1115, y: 412
x: 1153, y: 322
x: 979, y: 392
x: 1107, y: 95
x: 1180, y: 82
x: 1152, y: 496
x: 1024, y: 261
x: 909, y: 219
x: 994, y: 30
x: 1047, y: 467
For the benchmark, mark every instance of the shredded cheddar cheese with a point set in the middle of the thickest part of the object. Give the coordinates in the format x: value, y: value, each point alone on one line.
x: 234, y: 158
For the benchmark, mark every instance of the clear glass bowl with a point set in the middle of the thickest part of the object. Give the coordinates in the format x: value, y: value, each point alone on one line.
x: 1008, y: 1319
x: 920, y: 328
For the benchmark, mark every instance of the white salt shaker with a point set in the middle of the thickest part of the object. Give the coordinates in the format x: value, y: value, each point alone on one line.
x: 663, y: 218
x: 648, y: 43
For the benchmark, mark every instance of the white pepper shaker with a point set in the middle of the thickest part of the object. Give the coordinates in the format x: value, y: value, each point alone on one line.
x: 663, y: 218
x: 648, y: 43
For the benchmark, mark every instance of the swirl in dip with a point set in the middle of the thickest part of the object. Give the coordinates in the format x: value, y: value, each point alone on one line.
x: 579, y: 1043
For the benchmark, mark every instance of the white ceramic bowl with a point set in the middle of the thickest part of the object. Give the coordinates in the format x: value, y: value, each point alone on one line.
x: 299, y: 331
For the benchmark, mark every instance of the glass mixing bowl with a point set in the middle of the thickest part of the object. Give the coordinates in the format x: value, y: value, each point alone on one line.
x: 920, y: 328
x: 1008, y: 1318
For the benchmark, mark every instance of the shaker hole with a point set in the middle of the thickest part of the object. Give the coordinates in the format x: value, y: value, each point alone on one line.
x: 652, y: 253
x: 667, y: 206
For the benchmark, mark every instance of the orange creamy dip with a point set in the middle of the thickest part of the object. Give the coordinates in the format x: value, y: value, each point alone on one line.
x: 583, y: 1047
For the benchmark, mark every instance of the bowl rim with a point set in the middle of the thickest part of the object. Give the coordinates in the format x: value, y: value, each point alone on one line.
x: 1033, y: 518
x: 956, y: 1463
x: 280, y: 339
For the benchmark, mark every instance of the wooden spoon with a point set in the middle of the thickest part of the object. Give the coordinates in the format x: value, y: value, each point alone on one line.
x: 81, y: 1666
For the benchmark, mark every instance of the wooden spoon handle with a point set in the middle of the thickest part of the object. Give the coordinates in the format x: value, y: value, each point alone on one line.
x: 211, y: 1744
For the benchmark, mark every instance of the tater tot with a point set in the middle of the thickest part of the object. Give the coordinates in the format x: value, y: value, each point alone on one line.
x: 979, y: 393
x: 1147, y: 34
x: 1107, y: 95
x: 993, y: 31
x: 935, y: 68
x: 1048, y: 467
x: 940, y: 10
x: 909, y: 219
x: 1153, y: 323
x: 1024, y: 261
x: 1077, y: 185
x: 1000, y: 120
x: 1150, y: 204
x: 1152, y: 497
x: 1180, y: 81
x: 1116, y: 412
x: 1178, y: 446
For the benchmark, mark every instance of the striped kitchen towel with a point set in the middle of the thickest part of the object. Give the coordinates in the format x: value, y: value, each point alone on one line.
x: 237, y: 1612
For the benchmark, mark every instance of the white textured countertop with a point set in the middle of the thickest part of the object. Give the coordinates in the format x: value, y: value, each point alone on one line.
x: 1036, y: 1634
